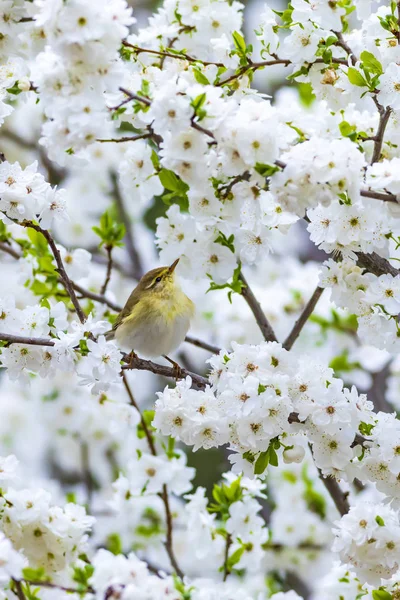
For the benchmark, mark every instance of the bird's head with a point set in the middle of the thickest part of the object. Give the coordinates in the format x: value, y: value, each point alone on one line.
x: 160, y: 280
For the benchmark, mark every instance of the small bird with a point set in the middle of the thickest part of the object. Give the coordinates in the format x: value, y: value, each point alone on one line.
x: 156, y: 317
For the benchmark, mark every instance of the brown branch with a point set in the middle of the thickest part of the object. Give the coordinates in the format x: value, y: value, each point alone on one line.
x: 253, y: 67
x: 375, y: 264
x: 96, y: 297
x: 380, y: 134
x: 302, y: 320
x: 87, y: 476
x: 344, y: 45
x: 165, y: 54
x: 254, y: 305
x: 164, y: 494
x: 18, y: 589
x: 131, y: 97
x: 109, y: 269
x: 137, y: 269
x: 338, y: 496
x: 30, y: 341
x: 201, y: 344
x: 67, y: 283
x: 141, y: 364
x: 49, y: 584
x: 136, y: 363
x: 198, y: 127
x: 388, y: 197
x: 133, y: 138
x: 9, y: 250
x: 334, y: 490
x: 228, y: 543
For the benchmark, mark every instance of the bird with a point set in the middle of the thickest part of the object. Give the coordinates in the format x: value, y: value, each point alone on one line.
x: 156, y: 316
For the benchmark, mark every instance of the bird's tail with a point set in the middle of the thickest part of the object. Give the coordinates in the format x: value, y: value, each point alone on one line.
x: 110, y: 335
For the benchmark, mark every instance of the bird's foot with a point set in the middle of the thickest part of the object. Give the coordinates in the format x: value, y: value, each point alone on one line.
x: 131, y: 357
x: 178, y: 371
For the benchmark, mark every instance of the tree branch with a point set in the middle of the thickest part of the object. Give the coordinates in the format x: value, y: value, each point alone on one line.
x: 9, y: 250
x: 132, y: 138
x: 384, y: 115
x: 30, y: 341
x: 49, y: 584
x: 257, y: 311
x: 137, y: 269
x: 338, y: 496
x: 67, y: 283
x: 109, y: 270
x: 164, y: 494
x: 228, y: 543
x: 302, y: 320
x: 201, y: 344
x: 18, y: 589
x: 343, y: 44
x: 141, y: 364
x: 165, y: 54
x: 375, y: 264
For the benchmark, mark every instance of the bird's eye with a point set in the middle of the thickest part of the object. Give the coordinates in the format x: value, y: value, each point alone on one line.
x: 158, y: 279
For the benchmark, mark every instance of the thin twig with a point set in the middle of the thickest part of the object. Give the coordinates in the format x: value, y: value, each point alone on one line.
x: 19, y: 590
x: 130, y: 98
x: 302, y: 320
x: 343, y: 44
x: 137, y: 269
x: 49, y: 584
x: 133, y: 138
x: 87, y: 476
x: 333, y: 488
x: 165, y: 54
x: 380, y: 134
x: 255, y: 307
x: 164, y: 494
x: 109, y: 269
x: 9, y: 250
x: 201, y: 344
x: 228, y: 543
x: 96, y: 297
x: 67, y: 283
x: 141, y: 364
x: 338, y: 496
x: 253, y: 67
x: 30, y: 341
x: 388, y: 197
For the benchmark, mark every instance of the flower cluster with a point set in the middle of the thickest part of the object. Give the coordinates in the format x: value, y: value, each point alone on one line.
x: 258, y: 393
x: 25, y: 195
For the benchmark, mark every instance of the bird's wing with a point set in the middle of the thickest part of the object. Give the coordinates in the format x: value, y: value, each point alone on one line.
x: 126, y: 311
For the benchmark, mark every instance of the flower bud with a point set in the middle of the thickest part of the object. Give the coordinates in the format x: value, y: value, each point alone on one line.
x: 24, y: 84
x: 293, y: 455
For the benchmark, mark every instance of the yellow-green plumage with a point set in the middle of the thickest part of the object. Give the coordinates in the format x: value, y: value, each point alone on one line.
x: 156, y: 317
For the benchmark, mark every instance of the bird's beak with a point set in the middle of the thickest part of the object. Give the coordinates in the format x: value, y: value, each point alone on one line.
x: 173, y: 266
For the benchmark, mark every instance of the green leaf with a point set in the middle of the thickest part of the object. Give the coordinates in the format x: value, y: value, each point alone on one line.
x: 235, y: 558
x: 356, y: 78
x: 273, y: 457
x: 15, y: 90
x: 266, y: 170
x: 114, y: 543
x: 306, y: 94
x: 381, y: 595
x: 109, y: 231
x: 239, y: 42
x: 35, y: 574
x: 173, y: 183
x: 371, y: 63
x: 380, y: 521
x: 261, y: 462
x: 200, y: 77
x: 346, y: 129
x: 227, y: 242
